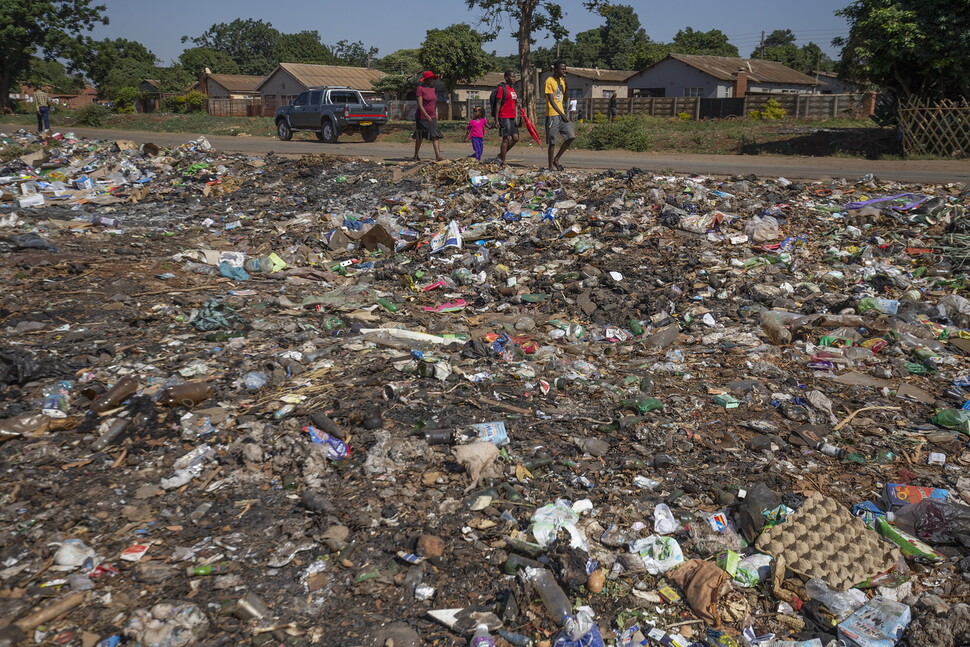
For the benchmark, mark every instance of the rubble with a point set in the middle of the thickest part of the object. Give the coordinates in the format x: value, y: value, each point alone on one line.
x: 329, y: 401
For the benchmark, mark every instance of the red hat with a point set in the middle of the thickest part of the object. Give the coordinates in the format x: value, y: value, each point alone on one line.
x: 428, y: 75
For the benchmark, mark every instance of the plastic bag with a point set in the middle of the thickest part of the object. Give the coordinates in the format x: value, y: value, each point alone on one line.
x: 753, y: 570
x: 659, y: 554
x: 935, y: 522
x: 664, y: 522
x: 841, y: 603
x: 550, y: 519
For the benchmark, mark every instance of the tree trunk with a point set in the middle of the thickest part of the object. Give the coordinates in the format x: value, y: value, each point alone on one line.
x: 526, y: 14
x: 5, y: 79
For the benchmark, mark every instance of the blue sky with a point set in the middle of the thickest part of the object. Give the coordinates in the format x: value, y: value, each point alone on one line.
x: 391, y: 25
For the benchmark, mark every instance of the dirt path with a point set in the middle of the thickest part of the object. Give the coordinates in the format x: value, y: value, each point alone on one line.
x: 794, y: 168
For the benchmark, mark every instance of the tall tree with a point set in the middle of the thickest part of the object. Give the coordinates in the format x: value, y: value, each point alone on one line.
x: 250, y: 43
x: 303, y: 47
x: 175, y: 78
x: 108, y: 55
x: 127, y: 73
x: 908, y: 47
x: 646, y: 54
x: 52, y: 74
x: 709, y: 43
x: 196, y: 59
x: 54, y: 28
x: 780, y: 38
x: 530, y: 17
x: 455, y: 54
x: 355, y: 54
x: 621, y: 35
x: 402, y: 61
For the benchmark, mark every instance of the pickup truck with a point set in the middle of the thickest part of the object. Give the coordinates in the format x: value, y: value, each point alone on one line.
x: 330, y: 112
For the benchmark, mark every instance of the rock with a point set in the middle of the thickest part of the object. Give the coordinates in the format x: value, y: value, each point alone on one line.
x: 430, y: 546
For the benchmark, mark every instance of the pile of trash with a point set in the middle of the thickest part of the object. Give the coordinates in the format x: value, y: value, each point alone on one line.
x: 331, y: 401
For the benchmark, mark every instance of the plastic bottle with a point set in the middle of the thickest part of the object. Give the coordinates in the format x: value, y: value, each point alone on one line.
x: 186, y: 394
x: 200, y: 268
x: 110, y: 430
x: 553, y: 597
x: 115, y: 395
x: 885, y: 306
x: 481, y: 638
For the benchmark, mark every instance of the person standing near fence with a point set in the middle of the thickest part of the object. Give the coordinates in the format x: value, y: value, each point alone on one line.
x: 558, y: 124
x: 426, y: 118
x: 506, y: 114
x: 42, y: 101
x: 613, y: 106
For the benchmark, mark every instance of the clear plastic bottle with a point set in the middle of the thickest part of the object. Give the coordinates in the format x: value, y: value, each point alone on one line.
x: 553, y: 597
x: 481, y: 638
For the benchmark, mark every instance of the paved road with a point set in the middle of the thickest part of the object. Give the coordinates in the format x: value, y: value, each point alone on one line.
x: 794, y: 168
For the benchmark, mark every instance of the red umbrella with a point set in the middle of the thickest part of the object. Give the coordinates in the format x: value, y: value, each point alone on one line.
x: 531, y: 128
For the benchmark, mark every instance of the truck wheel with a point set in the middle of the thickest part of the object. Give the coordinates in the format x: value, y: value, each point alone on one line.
x: 370, y: 133
x: 283, y: 130
x: 328, y: 132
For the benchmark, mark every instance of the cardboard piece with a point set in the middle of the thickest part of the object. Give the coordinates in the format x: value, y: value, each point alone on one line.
x: 125, y: 145
x: 854, y: 378
x: 376, y: 236
x: 910, y: 392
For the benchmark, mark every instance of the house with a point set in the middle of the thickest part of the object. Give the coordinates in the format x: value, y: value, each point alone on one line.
x: 712, y: 77
x: 593, y: 83
x: 830, y: 83
x: 77, y: 100
x: 228, y: 86
x: 288, y: 80
x: 480, y: 88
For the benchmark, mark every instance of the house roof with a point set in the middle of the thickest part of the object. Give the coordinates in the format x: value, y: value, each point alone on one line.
x: 759, y: 70
x: 489, y: 79
x: 238, y: 82
x: 360, y: 78
x: 597, y: 74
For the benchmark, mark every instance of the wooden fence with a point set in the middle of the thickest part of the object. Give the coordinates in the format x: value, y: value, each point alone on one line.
x: 940, y: 128
x: 226, y: 107
x: 800, y: 106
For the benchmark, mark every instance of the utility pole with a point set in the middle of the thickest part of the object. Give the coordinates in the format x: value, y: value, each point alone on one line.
x: 762, y: 43
x: 557, y: 50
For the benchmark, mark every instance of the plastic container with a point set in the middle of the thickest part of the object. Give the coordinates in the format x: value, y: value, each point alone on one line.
x: 553, y: 597
x: 481, y: 637
x: 187, y: 394
x: 842, y: 603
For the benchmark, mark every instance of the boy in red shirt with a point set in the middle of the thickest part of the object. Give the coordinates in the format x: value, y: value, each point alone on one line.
x: 506, y: 115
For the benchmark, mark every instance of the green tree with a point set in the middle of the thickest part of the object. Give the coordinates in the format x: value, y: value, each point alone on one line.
x: 302, y: 47
x: 908, y: 47
x: 106, y: 55
x: 780, y: 38
x: 196, y: 59
x: 395, y: 86
x: 621, y: 35
x: 646, y: 54
x: 780, y: 46
x: 709, y: 43
x: 53, y: 28
x: 53, y: 74
x: 403, y: 61
x: 354, y: 54
x: 530, y: 17
x: 250, y: 43
x: 127, y: 72
x: 455, y: 54
x: 174, y: 78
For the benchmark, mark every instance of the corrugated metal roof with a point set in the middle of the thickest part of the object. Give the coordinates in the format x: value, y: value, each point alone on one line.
x: 596, y: 74
x: 359, y: 78
x: 759, y: 71
x: 238, y: 82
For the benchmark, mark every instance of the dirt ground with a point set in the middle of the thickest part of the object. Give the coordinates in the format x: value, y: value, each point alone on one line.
x: 319, y: 464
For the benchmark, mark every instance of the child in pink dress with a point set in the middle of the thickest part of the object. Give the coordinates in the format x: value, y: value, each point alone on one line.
x: 476, y: 133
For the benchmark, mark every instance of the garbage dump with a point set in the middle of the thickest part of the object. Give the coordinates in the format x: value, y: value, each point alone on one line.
x: 328, y: 401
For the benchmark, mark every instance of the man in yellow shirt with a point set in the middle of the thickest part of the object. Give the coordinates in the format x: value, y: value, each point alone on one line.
x: 558, y: 123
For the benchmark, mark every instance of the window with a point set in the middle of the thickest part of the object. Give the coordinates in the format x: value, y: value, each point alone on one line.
x: 575, y: 94
x: 609, y: 94
x: 342, y: 97
x: 302, y: 99
x: 693, y: 92
x: 315, y: 97
x: 473, y: 94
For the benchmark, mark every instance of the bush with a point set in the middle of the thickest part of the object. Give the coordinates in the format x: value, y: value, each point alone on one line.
x: 773, y: 110
x: 92, y: 115
x: 627, y: 132
x: 190, y: 102
x: 684, y: 116
x: 125, y: 100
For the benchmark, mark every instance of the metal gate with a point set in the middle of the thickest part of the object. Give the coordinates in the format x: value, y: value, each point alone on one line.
x: 718, y: 108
